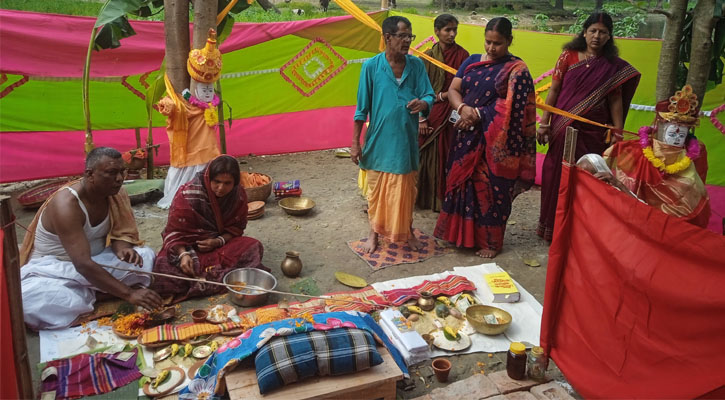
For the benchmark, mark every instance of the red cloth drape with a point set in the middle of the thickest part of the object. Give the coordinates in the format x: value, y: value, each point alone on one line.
x: 634, y: 304
x: 8, y: 374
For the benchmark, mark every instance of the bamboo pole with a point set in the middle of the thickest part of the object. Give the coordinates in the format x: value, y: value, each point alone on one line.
x: 570, y: 145
x: 220, y: 110
x: 11, y: 269
x: 150, y: 153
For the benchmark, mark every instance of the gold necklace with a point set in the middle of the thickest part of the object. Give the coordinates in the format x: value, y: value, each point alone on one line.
x: 589, y: 57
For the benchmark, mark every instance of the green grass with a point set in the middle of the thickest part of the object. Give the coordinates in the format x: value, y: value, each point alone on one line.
x: 66, y: 7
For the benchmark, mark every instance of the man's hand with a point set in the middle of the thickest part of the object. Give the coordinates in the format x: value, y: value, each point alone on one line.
x: 355, y: 153
x: 207, y: 245
x: 416, y: 106
x: 145, y: 298
x: 129, y: 255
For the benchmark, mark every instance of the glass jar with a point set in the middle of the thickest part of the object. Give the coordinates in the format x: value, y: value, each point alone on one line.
x: 538, y: 363
x: 516, y: 361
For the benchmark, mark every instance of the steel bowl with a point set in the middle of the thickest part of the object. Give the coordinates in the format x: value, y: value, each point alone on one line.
x: 475, y: 316
x: 297, y: 205
x: 249, y: 276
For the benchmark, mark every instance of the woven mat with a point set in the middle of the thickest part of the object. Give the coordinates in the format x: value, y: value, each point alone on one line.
x: 388, y: 254
x: 103, y: 308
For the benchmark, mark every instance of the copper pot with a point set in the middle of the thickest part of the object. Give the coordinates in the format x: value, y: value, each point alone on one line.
x: 291, y: 265
x: 426, y: 301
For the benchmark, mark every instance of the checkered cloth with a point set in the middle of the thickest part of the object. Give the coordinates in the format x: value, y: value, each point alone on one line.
x: 287, y: 359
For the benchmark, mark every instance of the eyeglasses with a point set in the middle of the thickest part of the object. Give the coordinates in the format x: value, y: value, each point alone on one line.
x: 404, y: 36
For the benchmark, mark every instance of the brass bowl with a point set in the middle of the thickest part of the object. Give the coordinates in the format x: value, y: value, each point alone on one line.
x: 297, y: 205
x: 475, y: 316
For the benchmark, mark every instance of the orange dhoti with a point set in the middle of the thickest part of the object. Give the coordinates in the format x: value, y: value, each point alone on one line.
x: 391, y: 199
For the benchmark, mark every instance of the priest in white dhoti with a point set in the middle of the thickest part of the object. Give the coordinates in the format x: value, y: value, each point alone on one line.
x: 80, y: 232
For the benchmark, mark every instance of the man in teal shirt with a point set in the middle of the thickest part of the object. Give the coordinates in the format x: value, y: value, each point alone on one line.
x: 394, y: 88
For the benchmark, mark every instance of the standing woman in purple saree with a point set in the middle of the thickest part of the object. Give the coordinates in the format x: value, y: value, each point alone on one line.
x: 591, y: 81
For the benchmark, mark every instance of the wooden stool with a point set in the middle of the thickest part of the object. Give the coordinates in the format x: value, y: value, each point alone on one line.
x: 374, y: 383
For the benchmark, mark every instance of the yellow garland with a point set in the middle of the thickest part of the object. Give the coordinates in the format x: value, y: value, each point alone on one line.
x: 671, y: 169
x: 211, y: 116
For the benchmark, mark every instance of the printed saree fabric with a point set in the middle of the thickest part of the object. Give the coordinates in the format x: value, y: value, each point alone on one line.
x: 680, y: 195
x: 585, y: 88
x: 485, y: 163
x: 207, y: 382
x: 197, y: 214
x: 435, y: 146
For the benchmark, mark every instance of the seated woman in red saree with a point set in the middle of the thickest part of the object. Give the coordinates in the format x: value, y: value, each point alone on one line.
x: 590, y: 81
x: 493, y: 155
x: 204, y: 233
x: 435, y: 132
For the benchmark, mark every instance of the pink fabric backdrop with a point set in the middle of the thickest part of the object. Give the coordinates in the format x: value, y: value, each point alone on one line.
x: 55, y: 45
x: 26, y: 155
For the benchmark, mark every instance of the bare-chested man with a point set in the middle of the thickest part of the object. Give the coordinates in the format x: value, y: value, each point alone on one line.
x: 66, y: 249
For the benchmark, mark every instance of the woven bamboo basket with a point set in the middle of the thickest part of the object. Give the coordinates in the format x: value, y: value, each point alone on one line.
x: 259, y: 193
x: 36, y: 196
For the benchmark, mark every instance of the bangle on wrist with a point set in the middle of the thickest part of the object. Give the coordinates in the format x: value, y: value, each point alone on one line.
x: 220, y: 237
x: 422, y: 120
x: 477, y: 112
x: 184, y: 253
x: 544, y: 125
x: 460, y: 106
x: 440, y: 96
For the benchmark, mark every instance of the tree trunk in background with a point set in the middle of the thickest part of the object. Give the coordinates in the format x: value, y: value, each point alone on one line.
x: 598, y: 5
x: 559, y: 4
x: 176, y: 31
x: 670, y: 53
x: 267, y: 5
x: 703, y: 22
x: 204, y: 19
x: 659, y: 4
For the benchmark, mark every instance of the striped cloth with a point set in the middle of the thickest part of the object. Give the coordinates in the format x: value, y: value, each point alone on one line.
x: 450, y: 285
x: 90, y: 374
x: 288, y: 359
x: 188, y: 330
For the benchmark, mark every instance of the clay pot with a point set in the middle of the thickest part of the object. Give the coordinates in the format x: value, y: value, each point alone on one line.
x: 426, y: 301
x: 291, y: 265
x: 199, y: 316
x: 441, y: 367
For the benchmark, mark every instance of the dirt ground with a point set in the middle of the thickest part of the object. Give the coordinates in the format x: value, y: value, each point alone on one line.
x: 321, y: 238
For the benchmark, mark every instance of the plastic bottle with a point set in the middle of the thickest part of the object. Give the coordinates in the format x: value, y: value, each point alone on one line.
x: 516, y: 361
x: 538, y: 362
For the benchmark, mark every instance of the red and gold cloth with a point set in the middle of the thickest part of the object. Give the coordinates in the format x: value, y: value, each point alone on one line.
x: 681, y: 195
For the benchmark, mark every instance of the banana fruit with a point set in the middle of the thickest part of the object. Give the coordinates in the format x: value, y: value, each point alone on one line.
x: 469, y: 298
x: 187, y: 350
x: 444, y: 300
x: 450, y: 333
x: 415, y: 309
x: 162, y: 377
x: 174, y: 349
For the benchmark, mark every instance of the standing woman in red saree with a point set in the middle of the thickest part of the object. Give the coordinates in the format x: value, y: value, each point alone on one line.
x: 203, y: 237
x: 435, y: 132
x: 591, y: 81
x: 493, y: 155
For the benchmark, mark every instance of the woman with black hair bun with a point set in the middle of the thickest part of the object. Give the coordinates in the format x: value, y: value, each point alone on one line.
x: 590, y: 80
